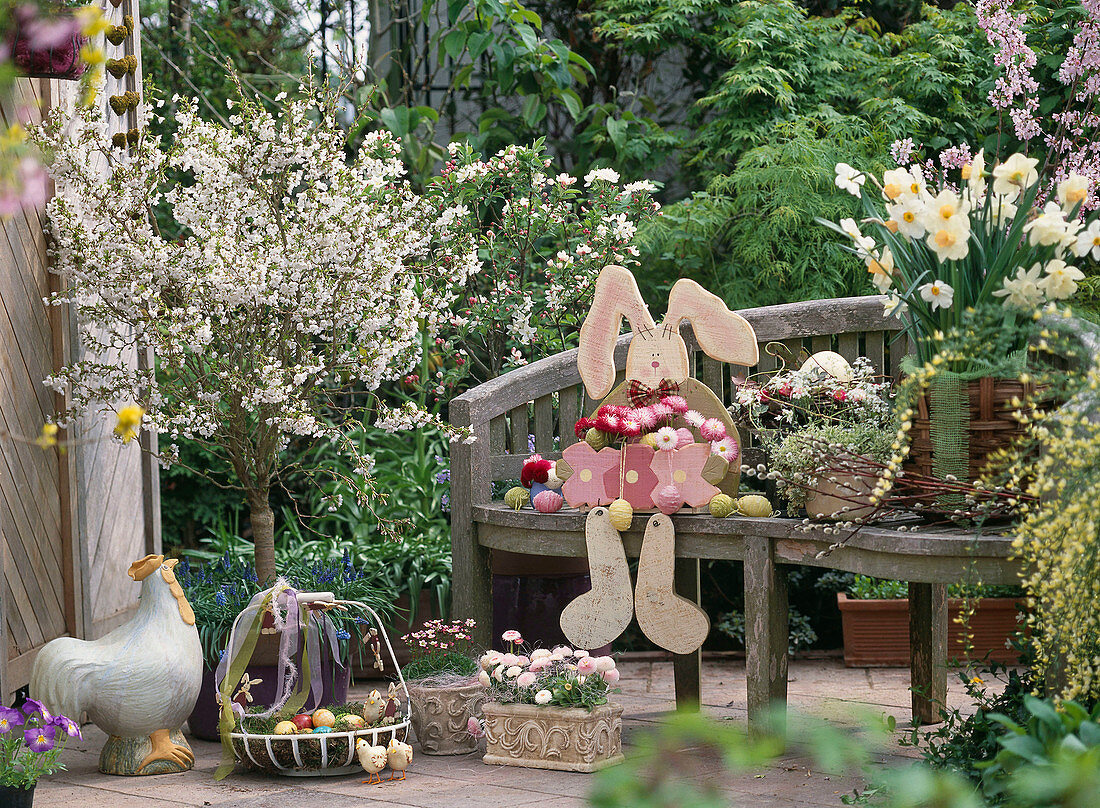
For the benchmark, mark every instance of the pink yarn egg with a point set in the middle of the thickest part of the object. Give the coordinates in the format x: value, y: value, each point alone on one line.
x: 669, y: 499
x: 684, y: 437
x: 547, y: 501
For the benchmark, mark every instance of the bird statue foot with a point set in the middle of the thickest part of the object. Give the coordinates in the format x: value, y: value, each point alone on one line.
x: 373, y: 780
x: 163, y: 752
x: 398, y: 779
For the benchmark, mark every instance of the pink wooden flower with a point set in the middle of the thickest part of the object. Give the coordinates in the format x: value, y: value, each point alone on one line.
x: 637, y: 476
x: 586, y: 485
x: 682, y: 469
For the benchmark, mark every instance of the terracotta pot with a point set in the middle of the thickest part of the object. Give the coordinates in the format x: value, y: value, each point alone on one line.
x: 560, y: 738
x: 440, y: 716
x: 876, y: 632
x: 838, y: 492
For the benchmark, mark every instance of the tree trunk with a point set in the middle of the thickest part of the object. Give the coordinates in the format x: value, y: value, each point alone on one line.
x: 263, y: 535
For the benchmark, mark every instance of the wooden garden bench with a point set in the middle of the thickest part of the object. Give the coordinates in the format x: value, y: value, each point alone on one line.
x: 545, y: 398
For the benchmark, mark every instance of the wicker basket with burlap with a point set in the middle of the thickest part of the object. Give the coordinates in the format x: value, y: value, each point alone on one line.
x: 960, y: 422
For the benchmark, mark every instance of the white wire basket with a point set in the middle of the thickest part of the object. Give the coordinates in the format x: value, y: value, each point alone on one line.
x: 323, y: 754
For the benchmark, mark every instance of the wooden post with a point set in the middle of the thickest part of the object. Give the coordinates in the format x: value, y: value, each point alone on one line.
x: 472, y: 585
x: 928, y: 650
x: 766, y: 631
x: 687, y: 668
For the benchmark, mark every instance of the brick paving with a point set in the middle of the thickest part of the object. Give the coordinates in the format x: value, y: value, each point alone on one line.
x: 823, y: 688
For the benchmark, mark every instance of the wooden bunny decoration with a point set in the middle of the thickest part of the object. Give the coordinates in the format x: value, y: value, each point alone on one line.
x: 657, y: 365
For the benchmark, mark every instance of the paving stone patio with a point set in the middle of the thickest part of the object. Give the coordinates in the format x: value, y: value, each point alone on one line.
x: 823, y: 688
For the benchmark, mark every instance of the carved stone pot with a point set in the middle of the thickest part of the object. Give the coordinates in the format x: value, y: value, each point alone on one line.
x: 561, y: 738
x: 440, y: 716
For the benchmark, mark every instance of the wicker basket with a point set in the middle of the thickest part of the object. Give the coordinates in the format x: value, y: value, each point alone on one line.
x: 310, y: 755
x: 992, y: 423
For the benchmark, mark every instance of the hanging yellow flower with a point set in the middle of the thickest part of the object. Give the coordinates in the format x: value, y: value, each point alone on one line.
x: 129, y: 420
x: 47, y: 437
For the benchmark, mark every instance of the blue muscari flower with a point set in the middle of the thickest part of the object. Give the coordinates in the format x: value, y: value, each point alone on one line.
x: 227, y: 561
x: 342, y: 635
x: 347, y: 558
x: 445, y: 502
x: 221, y: 598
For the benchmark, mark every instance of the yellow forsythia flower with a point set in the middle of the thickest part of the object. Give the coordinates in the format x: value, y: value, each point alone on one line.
x: 129, y: 419
x: 92, y: 55
x: 48, y: 436
x: 92, y: 21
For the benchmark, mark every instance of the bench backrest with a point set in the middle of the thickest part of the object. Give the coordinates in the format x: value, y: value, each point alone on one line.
x: 535, y: 407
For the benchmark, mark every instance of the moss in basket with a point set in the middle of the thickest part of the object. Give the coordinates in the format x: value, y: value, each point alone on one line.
x: 450, y: 663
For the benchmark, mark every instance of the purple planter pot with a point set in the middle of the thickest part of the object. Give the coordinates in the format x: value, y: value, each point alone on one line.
x: 203, y: 722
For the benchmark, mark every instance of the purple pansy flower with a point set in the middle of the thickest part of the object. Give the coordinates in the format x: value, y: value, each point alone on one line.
x: 9, y: 719
x: 33, y: 707
x: 67, y: 724
x: 40, y: 739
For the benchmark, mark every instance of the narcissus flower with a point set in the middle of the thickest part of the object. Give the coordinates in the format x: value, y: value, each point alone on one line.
x: 1014, y: 174
x: 938, y: 294
x: 848, y: 179
x: 1060, y: 280
x: 1072, y: 190
x: 1088, y: 241
x: 1022, y: 290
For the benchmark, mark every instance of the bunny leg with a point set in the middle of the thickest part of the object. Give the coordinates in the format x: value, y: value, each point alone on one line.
x: 600, y: 615
x: 670, y: 621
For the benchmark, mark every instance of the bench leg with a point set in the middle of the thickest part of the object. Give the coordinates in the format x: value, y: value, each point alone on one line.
x: 687, y: 668
x: 928, y: 651
x: 766, y: 632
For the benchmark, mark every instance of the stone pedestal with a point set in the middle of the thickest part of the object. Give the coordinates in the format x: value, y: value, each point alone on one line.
x: 124, y: 756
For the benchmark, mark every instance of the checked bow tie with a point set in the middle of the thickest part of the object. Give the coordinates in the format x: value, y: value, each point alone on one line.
x: 641, y: 394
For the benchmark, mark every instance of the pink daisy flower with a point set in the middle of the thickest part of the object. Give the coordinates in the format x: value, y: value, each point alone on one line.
x: 712, y: 429
x: 608, y: 423
x: 511, y: 636
x: 586, y: 667
x: 694, y: 418
x: 662, y: 411
x: 645, y: 417
x: 630, y: 427
x: 726, y: 449
x: 667, y: 439
x: 678, y: 404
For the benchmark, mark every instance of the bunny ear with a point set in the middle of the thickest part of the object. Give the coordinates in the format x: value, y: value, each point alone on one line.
x: 722, y: 334
x: 616, y: 296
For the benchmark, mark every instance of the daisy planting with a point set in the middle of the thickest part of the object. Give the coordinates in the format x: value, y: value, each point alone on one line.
x: 667, y: 439
x: 562, y: 678
x: 940, y: 244
x: 712, y: 429
x: 725, y: 449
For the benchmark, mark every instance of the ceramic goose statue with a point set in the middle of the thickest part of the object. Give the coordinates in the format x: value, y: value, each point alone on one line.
x: 138, y: 683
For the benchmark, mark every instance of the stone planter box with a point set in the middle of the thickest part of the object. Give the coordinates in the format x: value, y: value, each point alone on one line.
x: 876, y: 632
x: 567, y: 739
x: 440, y: 716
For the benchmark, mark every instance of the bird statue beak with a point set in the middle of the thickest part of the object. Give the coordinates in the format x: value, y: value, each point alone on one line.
x: 171, y: 563
x: 141, y: 568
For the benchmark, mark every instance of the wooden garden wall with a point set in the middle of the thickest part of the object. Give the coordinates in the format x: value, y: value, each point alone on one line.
x: 70, y: 522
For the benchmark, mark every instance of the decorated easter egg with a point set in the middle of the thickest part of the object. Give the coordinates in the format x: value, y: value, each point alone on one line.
x: 350, y: 722
x: 649, y: 439
x: 620, y: 513
x: 547, y: 501
x: 829, y: 365
x: 321, y: 730
x: 323, y: 718
x: 669, y: 500
x: 286, y: 728
x: 595, y: 438
x: 302, y: 721
x: 754, y: 505
x: 721, y: 505
x: 684, y: 437
x: 517, y: 497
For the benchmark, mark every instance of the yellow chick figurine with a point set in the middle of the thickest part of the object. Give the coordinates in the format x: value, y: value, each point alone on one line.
x: 372, y: 759
x: 399, y: 755
x: 373, y: 708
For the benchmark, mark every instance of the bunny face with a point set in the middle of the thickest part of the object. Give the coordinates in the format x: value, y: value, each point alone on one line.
x: 655, y: 355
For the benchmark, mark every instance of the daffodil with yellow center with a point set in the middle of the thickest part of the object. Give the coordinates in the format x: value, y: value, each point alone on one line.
x: 1073, y: 190
x: 1015, y: 174
x: 907, y: 214
x: 945, y: 210
x: 896, y: 182
x: 950, y: 239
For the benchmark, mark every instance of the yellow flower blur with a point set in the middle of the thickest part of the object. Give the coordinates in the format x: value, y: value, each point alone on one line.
x: 129, y: 420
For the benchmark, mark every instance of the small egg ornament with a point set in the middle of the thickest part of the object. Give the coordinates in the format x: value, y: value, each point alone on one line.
x: 345, y: 723
x: 684, y: 437
x: 547, y: 501
x: 829, y: 365
x: 517, y: 497
x: 595, y: 438
x: 754, y: 505
x: 649, y: 439
x: 323, y: 718
x: 621, y: 514
x: 302, y: 721
x: 286, y: 728
x: 668, y: 500
x: 722, y: 505
x: 321, y: 730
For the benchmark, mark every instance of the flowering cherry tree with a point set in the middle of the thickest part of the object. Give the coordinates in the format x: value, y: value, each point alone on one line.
x: 300, y: 281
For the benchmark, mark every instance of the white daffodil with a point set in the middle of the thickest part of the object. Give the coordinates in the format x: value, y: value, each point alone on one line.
x: 1048, y: 228
x: 908, y: 213
x: 1060, y: 280
x: 938, y: 294
x: 950, y: 241
x: 1014, y: 174
x: 882, y: 270
x: 945, y: 210
x: 1088, y: 241
x: 1001, y: 210
x: 1022, y: 291
x: 848, y: 179
x: 895, y: 305
x: 865, y: 247
x: 1072, y: 190
x: 850, y: 227
x: 917, y: 183
x: 974, y: 173
x: 895, y: 183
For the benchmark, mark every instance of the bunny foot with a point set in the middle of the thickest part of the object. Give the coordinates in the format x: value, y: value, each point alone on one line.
x: 600, y: 615
x: 670, y: 621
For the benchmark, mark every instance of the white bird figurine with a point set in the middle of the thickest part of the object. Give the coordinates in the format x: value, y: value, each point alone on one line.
x: 372, y: 759
x: 399, y: 755
x: 373, y: 708
x: 138, y: 682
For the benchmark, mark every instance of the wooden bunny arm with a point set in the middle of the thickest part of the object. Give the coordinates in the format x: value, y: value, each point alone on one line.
x: 722, y: 334
x: 616, y: 296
